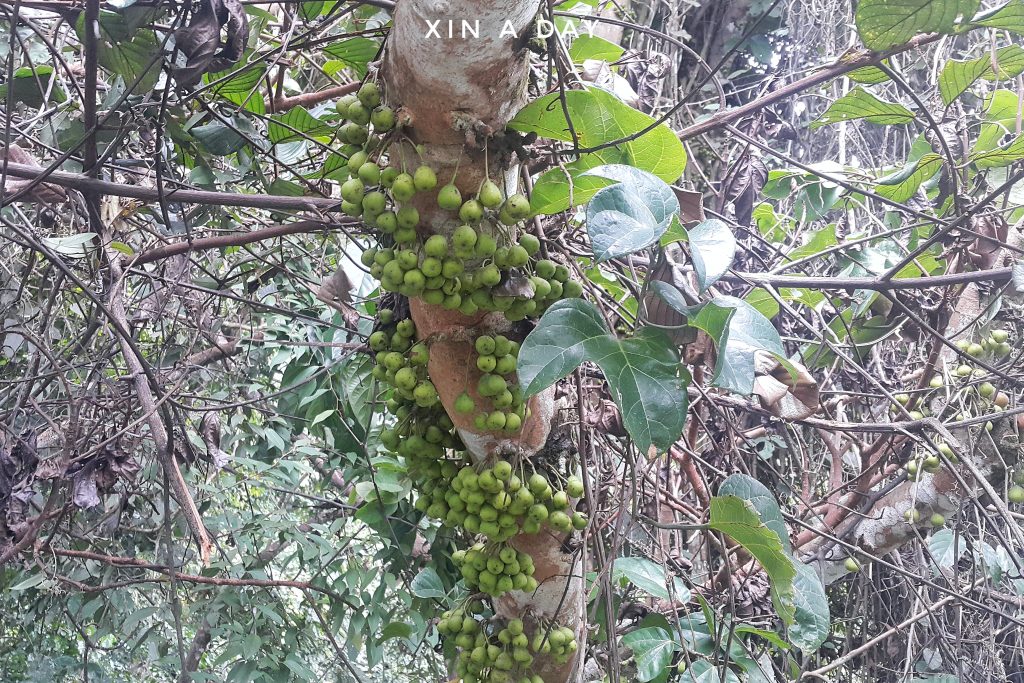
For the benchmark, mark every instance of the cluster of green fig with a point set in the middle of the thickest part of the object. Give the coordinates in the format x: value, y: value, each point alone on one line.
x: 495, y: 651
x: 436, y: 269
x: 496, y: 569
x: 496, y: 359
x: 494, y: 502
x: 995, y: 345
x: 484, y: 262
x: 931, y: 463
x: 469, y: 270
x: 976, y: 389
x: 402, y: 363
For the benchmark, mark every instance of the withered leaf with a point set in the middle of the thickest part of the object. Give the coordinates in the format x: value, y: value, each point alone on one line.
x: 992, y: 231
x: 644, y: 71
x: 211, y: 438
x: 336, y: 292
x: 746, y: 178
x: 669, y: 269
x: 691, y: 206
x: 515, y: 284
x: 201, y: 44
x: 785, y: 396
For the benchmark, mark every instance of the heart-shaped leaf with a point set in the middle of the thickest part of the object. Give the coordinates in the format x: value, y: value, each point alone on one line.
x: 643, y: 372
x: 598, y: 117
x: 712, y: 248
x: 629, y: 215
x: 739, y: 520
x: 652, y: 651
x: 739, y: 330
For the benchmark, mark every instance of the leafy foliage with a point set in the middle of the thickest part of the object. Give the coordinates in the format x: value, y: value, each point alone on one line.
x: 598, y: 118
x: 643, y: 371
x: 250, y: 309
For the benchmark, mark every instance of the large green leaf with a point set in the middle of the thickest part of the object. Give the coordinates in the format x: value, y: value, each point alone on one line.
x: 958, y: 76
x: 811, y: 620
x: 1000, y: 119
x: 860, y: 104
x: 32, y: 85
x: 737, y: 519
x: 903, y: 184
x: 651, y: 577
x: 124, y: 50
x: 704, y: 671
x: 597, y: 117
x: 427, y: 584
x: 757, y: 494
x: 594, y: 47
x: 946, y: 547
x: 652, y: 651
x: 1000, y: 156
x: 643, y: 372
x: 885, y: 23
x: 296, y: 124
x: 1009, y: 17
x: 355, y: 53
x: 219, y: 139
x: 868, y: 75
x: 241, y: 87
x: 713, y: 248
x: 629, y: 215
x: 739, y: 331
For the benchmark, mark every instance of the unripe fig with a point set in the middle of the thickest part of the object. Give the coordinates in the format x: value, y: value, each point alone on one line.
x: 530, y: 243
x: 1015, y: 494
x: 471, y: 211
x: 388, y: 175
x: 403, y: 189
x: 517, y: 206
x: 383, y: 119
x: 343, y: 103
x: 424, y: 178
x: 359, y: 113
x: 369, y: 94
x: 369, y: 173
x: 490, y: 194
x: 449, y: 198
x: 574, y: 487
x: 352, y: 190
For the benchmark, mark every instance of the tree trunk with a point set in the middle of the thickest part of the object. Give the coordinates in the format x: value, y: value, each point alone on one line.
x: 453, y: 89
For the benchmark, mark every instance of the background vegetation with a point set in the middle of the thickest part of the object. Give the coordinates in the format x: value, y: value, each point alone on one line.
x: 798, y: 420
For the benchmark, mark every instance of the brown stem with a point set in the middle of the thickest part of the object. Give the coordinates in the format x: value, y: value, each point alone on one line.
x: 83, y: 183
x: 234, y: 239
x: 311, y: 99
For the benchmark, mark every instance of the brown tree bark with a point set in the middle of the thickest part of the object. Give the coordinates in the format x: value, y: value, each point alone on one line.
x: 453, y: 89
